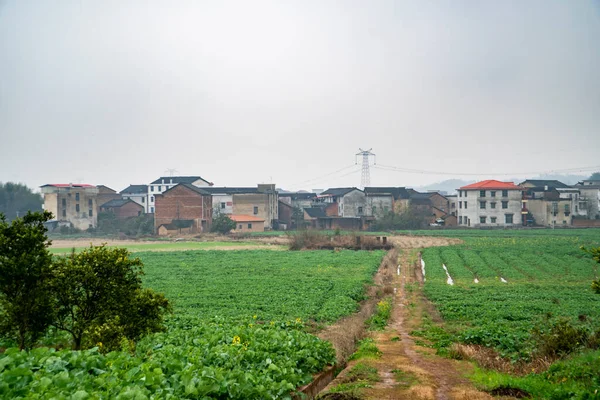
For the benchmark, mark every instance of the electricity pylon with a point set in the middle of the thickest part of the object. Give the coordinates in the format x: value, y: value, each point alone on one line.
x: 365, y: 178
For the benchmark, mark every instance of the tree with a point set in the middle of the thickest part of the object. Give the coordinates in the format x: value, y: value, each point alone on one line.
x: 25, y: 270
x: 16, y: 199
x: 99, y: 298
x: 595, y: 176
x: 222, y: 224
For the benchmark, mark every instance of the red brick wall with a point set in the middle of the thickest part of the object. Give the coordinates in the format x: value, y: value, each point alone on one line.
x: 183, y: 203
x: 129, y: 209
x: 586, y: 222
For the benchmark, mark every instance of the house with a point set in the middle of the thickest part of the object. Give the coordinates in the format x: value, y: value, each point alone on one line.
x: 490, y: 203
x: 178, y: 227
x: 384, y: 199
x: 345, y: 202
x: 247, y: 223
x: 165, y: 183
x: 590, y: 198
x: 122, y: 208
x: 317, y: 218
x: 566, y: 194
x: 540, y: 183
x: 72, y: 203
x: 106, y: 194
x: 452, y: 202
x: 298, y: 200
x: 137, y: 193
x: 285, y: 215
x: 546, y: 207
x: 183, y: 202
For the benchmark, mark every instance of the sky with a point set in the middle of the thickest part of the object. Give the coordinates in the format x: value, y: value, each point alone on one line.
x: 117, y: 92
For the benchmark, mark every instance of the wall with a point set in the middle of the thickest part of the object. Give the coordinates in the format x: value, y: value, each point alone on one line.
x: 349, y: 204
x: 439, y: 201
x: 542, y: 211
x: 51, y: 204
x: 285, y: 214
x: 473, y: 211
x: 105, y: 195
x: 242, y: 226
x: 267, y: 204
x: 141, y: 199
x: 217, y: 199
x: 185, y: 204
x: 129, y: 209
x: 379, y: 205
x: 592, y: 200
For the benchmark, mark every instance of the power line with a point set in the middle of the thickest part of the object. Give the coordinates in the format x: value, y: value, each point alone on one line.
x: 427, y: 172
x: 322, y: 176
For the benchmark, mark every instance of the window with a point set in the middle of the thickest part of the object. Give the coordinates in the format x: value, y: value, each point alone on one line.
x: 493, y: 220
x: 493, y: 193
x: 151, y: 209
x: 508, y: 218
x: 64, y: 213
x: 77, y: 207
x: 385, y: 208
x: 90, y: 203
x: 465, y: 204
x: 576, y: 209
x: 504, y: 204
x: 460, y: 204
x: 482, y: 193
x: 222, y: 206
x: 77, y: 196
x: 64, y: 202
x: 493, y: 204
x: 482, y: 205
x: 554, y: 208
x: 143, y: 200
x: 460, y: 220
x: 360, y: 210
x: 249, y: 226
x: 255, y: 210
x: 90, y: 212
x: 567, y: 209
x: 152, y: 188
x: 160, y: 188
x: 240, y: 226
x: 482, y: 220
x: 505, y: 193
x: 374, y: 210
x: 139, y: 213
x: 460, y: 193
x: 151, y: 199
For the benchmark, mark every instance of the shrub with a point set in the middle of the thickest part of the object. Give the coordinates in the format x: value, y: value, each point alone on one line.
x: 560, y: 339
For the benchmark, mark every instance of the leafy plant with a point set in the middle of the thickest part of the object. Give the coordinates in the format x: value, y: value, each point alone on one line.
x: 221, y: 223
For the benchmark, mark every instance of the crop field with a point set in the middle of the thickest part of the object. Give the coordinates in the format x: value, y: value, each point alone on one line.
x: 237, y: 330
x: 506, y: 289
x: 64, y: 247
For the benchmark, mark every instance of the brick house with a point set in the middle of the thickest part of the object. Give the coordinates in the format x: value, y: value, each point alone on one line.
x: 106, y: 194
x: 137, y: 193
x: 184, y: 202
x: 123, y: 208
x: 165, y: 183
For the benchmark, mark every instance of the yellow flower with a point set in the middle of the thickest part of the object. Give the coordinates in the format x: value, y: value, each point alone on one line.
x: 298, y: 320
x: 254, y: 317
x: 236, y: 340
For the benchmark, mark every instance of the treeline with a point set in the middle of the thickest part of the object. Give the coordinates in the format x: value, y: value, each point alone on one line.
x: 16, y: 199
x: 95, y: 296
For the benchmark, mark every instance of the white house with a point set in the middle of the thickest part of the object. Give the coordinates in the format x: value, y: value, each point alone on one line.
x: 350, y: 202
x: 165, y: 183
x: 490, y: 203
x: 136, y: 193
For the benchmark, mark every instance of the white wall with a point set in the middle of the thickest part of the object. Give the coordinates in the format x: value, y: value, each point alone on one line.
x: 471, y: 215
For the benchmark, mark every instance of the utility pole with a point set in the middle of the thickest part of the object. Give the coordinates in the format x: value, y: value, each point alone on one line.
x: 365, y: 178
x: 171, y: 171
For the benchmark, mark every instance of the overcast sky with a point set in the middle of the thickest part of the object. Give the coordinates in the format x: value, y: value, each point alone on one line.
x: 244, y: 92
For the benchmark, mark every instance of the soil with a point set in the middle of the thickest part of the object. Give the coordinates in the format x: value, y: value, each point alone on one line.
x: 433, y: 377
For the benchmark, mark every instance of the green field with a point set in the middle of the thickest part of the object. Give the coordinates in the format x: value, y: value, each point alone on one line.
x: 547, y: 289
x: 169, y: 246
x: 237, y: 330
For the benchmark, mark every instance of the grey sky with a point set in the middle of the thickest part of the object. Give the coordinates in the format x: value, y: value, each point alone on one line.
x: 242, y: 92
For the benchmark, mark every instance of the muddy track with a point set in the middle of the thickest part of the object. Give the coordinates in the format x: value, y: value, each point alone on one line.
x: 407, y: 370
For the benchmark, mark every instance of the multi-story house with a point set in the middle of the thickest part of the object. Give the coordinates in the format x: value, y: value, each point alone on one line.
x: 75, y: 204
x: 183, y: 208
x: 490, y: 203
x: 136, y: 193
x: 345, y: 202
x: 165, y: 183
x: 589, y: 197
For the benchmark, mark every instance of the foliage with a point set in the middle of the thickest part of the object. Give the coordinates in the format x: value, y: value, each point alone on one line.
x: 25, y: 265
x: 380, y: 319
x: 212, y: 359
x: 222, y: 224
x: 411, y: 218
x: 595, y: 253
x: 99, y: 298
x: 108, y: 223
x: 17, y: 199
x: 306, y: 239
x: 562, y: 337
x: 595, y: 176
x: 366, y: 349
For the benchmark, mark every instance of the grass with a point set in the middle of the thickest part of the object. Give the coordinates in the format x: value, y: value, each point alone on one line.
x: 169, y: 246
x: 360, y: 376
x: 366, y: 349
x: 379, y: 320
x: 405, y: 379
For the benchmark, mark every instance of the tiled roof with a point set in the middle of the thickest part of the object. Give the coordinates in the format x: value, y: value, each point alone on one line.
x: 191, y: 187
x: 491, y: 184
x: 115, y: 203
x: 338, y: 191
x: 177, y: 179
x: 75, y: 185
x: 316, y: 212
x: 246, y: 218
x: 230, y: 190
x: 135, y: 189
x: 397, y: 192
x: 543, y: 182
x: 298, y: 195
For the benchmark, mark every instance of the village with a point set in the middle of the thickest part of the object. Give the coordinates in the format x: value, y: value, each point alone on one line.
x: 187, y: 205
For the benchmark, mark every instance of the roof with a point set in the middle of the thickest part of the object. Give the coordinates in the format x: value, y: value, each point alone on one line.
x: 246, y: 218
x: 66, y: 185
x: 115, y: 203
x: 178, y: 179
x: 189, y: 186
x: 316, y: 212
x: 135, y: 189
x: 338, y: 191
x: 397, y: 192
x: 298, y: 195
x: 543, y: 182
x: 230, y: 190
x: 106, y: 187
x: 491, y: 184
x: 420, y: 196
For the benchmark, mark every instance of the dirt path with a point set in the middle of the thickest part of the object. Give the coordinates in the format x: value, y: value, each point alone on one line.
x: 405, y: 369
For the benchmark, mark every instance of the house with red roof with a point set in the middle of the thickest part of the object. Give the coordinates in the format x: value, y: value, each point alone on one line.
x: 491, y: 203
x: 73, y: 204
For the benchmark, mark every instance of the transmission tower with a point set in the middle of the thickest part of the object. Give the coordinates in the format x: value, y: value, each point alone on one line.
x: 171, y: 171
x: 365, y: 178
